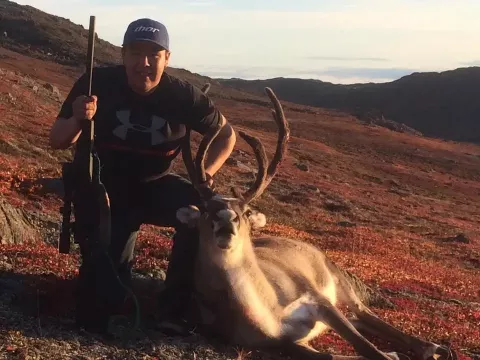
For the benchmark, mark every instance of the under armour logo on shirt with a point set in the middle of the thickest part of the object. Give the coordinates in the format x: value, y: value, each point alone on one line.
x: 122, y: 130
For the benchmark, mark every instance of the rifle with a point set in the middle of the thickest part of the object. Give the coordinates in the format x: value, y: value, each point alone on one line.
x: 91, y: 229
x: 72, y: 174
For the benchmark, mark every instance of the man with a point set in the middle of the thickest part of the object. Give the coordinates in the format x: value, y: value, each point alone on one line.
x: 140, y: 114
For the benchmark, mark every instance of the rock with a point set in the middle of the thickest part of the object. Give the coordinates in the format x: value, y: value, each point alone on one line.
x: 376, y: 118
x: 53, y: 89
x: 239, y: 153
x: 394, y: 182
x: 52, y: 185
x: 159, y: 274
x: 48, y: 227
x: 335, y: 206
x: 49, y: 87
x: 296, y: 193
x: 302, y: 166
x: 295, y: 197
x: 5, y: 266
x: 400, y: 192
x: 346, y: 224
x: 232, y: 162
x: 459, y: 238
x: 242, y: 166
x: 9, y: 148
x: 15, y: 228
x: 312, y: 188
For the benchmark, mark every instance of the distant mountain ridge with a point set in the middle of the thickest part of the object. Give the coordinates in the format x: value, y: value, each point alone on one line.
x: 444, y: 105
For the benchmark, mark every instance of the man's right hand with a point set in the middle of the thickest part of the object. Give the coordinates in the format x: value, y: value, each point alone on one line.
x: 84, y: 107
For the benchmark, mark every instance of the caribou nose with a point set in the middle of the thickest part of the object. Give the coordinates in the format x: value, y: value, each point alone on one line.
x: 224, y: 236
x: 224, y: 243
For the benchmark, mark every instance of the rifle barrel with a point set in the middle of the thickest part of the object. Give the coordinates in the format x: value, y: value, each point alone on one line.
x: 89, y: 66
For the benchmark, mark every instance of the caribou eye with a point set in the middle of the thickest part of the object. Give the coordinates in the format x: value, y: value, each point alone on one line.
x: 248, y: 213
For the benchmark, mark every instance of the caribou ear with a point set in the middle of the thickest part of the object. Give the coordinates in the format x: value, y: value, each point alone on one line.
x: 257, y: 219
x: 188, y: 215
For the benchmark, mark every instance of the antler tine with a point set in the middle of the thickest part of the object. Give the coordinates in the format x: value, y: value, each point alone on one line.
x: 262, y: 161
x: 187, y: 157
x: 283, y: 135
x: 261, y: 183
x: 205, y: 88
x: 202, y: 151
x: 186, y: 149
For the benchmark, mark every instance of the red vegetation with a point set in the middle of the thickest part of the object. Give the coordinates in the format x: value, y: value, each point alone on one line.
x: 383, y: 205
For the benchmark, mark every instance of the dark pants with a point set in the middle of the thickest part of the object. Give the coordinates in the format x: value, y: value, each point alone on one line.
x: 155, y: 203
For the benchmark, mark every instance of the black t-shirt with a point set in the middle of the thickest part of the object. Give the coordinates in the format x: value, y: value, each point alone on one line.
x: 137, y: 137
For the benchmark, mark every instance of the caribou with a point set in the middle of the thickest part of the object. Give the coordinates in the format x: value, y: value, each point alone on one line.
x: 275, y: 292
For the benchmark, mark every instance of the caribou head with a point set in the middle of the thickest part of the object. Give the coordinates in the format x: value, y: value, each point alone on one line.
x: 225, y: 221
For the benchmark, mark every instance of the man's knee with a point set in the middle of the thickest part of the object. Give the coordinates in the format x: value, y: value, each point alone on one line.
x: 188, y: 237
x: 124, y: 230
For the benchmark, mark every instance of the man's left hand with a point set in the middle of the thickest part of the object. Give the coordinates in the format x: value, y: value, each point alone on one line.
x: 208, y: 184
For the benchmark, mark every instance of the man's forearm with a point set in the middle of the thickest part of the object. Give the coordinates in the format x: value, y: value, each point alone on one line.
x: 64, y: 132
x: 220, y: 150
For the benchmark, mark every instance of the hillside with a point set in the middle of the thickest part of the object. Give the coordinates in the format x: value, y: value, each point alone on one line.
x: 399, y: 211
x: 28, y: 30
x: 442, y: 105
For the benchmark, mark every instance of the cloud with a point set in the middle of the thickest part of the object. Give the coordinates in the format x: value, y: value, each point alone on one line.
x: 243, y: 74
x: 378, y: 15
x: 201, y: 3
x: 471, y: 63
x: 345, y: 58
x: 370, y: 73
x: 342, y: 75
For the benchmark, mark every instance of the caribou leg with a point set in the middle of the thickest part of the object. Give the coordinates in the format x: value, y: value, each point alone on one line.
x: 368, y: 322
x: 305, y: 352
x: 302, y: 315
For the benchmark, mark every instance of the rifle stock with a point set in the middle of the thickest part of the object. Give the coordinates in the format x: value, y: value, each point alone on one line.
x: 66, y: 209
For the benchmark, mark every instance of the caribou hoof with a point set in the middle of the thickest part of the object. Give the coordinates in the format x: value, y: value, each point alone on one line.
x: 439, y: 352
x: 397, y: 356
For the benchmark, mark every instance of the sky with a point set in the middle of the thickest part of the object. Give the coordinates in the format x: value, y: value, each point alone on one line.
x: 343, y: 41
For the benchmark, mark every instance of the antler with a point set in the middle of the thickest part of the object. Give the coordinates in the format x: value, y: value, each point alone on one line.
x: 205, y: 88
x: 196, y: 170
x: 264, y: 177
x: 187, y: 156
x: 186, y: 151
